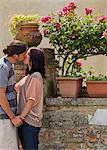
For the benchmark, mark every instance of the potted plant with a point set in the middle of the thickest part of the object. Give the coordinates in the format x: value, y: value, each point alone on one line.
x: 96, y: 83
x: 70, y: 85
x: 73, y: 37
x: 26, y: 29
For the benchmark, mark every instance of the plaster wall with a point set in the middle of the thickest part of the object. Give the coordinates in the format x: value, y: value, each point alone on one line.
x: 43, y: 7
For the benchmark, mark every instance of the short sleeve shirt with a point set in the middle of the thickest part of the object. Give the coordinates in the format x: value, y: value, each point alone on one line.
x: 7, y: 81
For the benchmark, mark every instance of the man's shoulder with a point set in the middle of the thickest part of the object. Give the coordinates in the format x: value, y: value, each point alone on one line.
x: 3, y: 64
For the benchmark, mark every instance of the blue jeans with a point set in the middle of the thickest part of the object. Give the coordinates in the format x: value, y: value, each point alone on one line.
x: 29, y: 136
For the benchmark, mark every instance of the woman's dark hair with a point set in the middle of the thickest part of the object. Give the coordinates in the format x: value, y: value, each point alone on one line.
x: 37, y: 60
x: 16, y: 47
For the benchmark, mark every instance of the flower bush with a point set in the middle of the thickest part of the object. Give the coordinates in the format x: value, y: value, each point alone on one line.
x: 74, y: 37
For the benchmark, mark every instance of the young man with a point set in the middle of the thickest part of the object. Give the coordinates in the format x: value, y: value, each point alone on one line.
x: 16, y: 51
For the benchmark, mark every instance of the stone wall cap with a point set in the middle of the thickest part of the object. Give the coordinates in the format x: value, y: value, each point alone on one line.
x: 76, y: 101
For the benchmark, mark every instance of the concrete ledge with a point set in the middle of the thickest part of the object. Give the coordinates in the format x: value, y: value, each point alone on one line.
x: 75, y: 101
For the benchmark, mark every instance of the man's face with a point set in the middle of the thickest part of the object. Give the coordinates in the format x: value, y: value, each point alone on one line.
x: 21, y: 57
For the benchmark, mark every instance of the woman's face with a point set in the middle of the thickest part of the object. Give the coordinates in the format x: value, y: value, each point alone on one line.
x: 27, y: 59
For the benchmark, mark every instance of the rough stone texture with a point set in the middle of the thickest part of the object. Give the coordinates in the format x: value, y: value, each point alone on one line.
x: 65, y: 125
x: 20, y: 70
x: 50, y: 88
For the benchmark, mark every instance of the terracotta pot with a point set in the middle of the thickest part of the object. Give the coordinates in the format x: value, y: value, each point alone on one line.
x: 30, y: 34
x: 70, y: 87
x: 97, y: 88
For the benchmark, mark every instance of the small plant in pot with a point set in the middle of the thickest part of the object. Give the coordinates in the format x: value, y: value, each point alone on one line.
x: 96, y: 85
x: 26, y: 29
x: 70, y: 85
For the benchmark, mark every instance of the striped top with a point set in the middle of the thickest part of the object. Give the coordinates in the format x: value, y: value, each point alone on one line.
x: 7, y: 81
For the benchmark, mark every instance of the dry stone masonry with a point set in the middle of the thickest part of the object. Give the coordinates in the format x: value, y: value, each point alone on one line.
x: 66, y: 124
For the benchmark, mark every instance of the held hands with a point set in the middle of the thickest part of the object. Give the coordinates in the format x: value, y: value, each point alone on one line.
x: 17, y: 121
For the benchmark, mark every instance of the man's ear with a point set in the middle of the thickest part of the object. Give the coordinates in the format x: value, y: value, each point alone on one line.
x: 15, y: 56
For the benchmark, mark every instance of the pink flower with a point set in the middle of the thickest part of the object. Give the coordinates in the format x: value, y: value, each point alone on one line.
x: 69, y: 8
x: 59, y: 13
x: 79, y: 62
x: 46, y: 18
x: 65, y: 12
x: 75, y: 52
x: 57, y: 26
x: 104, y: 44
x: 103, y: 18
x: 71, y: 5
x: 88, y: 11
x: 104, y: 35
x: 65, y: 8
x: 45, y: 32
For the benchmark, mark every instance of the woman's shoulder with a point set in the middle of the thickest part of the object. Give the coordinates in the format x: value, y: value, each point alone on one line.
x: 36, y: 75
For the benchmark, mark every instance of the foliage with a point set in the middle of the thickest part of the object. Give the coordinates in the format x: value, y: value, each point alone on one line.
x: 16, y: 21
x: 77, y: 69
x: 74, y: 37
x: 100, y: 77
x: 91, y: 75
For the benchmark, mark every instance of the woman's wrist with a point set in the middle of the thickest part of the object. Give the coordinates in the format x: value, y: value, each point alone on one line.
x: 22, y: 118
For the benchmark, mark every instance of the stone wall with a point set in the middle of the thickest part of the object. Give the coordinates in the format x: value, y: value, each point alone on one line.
x: 66, y: 126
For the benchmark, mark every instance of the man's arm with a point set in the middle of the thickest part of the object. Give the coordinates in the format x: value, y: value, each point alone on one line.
x: 4, y: 103
x: 5, y: 106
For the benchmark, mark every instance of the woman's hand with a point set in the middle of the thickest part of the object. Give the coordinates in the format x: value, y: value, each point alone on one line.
x: 17, y: 121
x: 17, y: 87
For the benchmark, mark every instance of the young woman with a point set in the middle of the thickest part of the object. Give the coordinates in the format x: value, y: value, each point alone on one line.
x: 31, y: 100
x: 15, y: 51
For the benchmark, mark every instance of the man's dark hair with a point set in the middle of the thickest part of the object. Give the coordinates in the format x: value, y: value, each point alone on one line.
x: 16, y: 47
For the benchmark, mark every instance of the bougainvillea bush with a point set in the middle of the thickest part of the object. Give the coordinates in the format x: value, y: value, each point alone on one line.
x: 74, y: 37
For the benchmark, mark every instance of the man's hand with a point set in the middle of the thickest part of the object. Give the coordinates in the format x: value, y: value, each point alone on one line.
x: 16, y: 121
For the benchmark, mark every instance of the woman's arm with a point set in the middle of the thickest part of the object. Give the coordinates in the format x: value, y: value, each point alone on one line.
x: 33, y: 94
x: 27, y: 108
